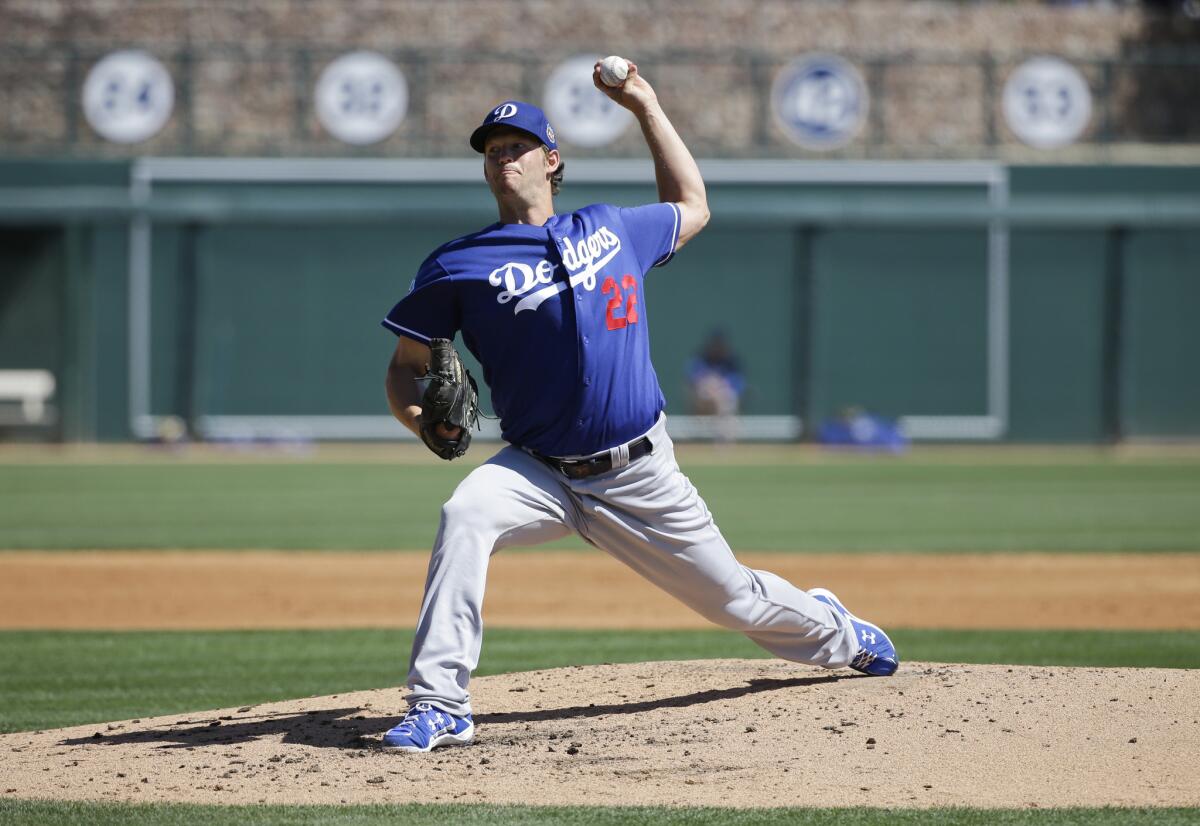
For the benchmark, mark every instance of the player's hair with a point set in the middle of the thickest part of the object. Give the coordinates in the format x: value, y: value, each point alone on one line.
x: 556, y: 177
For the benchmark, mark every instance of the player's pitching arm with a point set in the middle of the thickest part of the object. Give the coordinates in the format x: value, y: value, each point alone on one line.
x: 410, y: 362
x: 675, y: 169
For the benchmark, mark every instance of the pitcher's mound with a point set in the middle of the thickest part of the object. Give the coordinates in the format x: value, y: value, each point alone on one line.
x: 702, y: 733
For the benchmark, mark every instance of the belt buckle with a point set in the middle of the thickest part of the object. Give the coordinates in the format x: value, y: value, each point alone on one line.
x: 586, y: 467
x: 575, y: 470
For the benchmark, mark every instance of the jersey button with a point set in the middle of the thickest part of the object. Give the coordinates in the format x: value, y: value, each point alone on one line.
x: 587, y: 382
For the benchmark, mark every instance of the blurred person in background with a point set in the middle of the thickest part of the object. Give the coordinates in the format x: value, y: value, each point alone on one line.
x: 716, y: 384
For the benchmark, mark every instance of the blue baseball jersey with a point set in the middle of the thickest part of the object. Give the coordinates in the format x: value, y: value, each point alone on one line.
x: 556, y: 317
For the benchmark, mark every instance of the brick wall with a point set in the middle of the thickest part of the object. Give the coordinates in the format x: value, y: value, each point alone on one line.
x: 244, y: 72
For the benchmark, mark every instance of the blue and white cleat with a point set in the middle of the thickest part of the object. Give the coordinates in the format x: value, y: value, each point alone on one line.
x: 426, y: 727
x: 876, y: 654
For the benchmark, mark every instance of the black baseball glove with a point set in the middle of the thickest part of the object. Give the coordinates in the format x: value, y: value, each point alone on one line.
x: 451, y: 398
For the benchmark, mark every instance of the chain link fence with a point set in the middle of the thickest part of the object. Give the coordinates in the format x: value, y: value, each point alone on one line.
x: 232, y: 100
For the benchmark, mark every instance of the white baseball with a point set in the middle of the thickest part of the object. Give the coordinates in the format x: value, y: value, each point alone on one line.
x: 613, y: 70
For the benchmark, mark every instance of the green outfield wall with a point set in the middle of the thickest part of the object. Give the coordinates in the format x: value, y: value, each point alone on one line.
x: 1019, y: 303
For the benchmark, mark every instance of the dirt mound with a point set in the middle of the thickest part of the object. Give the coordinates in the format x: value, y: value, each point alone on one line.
x: 713, y: 732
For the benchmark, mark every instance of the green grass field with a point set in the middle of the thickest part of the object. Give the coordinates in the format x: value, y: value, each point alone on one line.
x: 982, y: 500
x: 65, y: 678
x: 1085, y: 502
x: 20, y: 813
x: 61, y: 678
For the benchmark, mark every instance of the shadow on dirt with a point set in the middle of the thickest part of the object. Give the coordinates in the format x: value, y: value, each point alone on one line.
x: 342, y: 728
x: 348, y: 728
x: 681, y: 701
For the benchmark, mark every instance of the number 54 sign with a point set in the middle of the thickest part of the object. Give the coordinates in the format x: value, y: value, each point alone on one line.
x: 128, y: 97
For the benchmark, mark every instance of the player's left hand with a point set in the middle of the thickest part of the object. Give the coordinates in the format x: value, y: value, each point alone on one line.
x: 635, y: 94
x: 448, y: 432
x: 450, y: 403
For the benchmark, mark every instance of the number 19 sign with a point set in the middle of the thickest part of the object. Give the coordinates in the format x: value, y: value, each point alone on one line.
x: 361, y: 98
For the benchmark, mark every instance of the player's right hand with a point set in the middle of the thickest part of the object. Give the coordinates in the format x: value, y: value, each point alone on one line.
x: 635, y: 94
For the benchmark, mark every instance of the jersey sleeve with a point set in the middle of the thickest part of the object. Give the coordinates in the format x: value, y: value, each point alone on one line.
x: 430, y: 310
x: 653, y: 230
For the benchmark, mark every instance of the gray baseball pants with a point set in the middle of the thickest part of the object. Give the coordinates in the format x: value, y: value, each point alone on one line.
x: 648, y: 516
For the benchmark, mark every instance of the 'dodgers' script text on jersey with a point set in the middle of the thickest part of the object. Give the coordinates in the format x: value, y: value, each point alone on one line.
x: 557, y: 318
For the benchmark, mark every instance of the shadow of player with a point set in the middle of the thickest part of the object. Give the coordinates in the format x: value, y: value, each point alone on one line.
x: 343, y: 728
x: 348, y: 728
x: 680, y: 701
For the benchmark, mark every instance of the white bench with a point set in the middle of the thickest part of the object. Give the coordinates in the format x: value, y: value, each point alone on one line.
x: 32, y: 388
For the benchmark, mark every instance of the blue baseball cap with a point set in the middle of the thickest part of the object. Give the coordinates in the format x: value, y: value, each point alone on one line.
x: 518, y: 115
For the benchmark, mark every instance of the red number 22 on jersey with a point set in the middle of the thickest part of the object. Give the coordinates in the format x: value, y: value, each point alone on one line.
x: 629, y: 283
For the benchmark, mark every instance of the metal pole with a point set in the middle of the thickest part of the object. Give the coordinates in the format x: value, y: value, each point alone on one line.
x: 1113, y: 335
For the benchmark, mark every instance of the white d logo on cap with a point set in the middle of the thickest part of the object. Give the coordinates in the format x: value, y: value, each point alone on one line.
x: 505, y: 111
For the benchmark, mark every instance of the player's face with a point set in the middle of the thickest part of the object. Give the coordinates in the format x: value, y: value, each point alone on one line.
x: 513, y: 163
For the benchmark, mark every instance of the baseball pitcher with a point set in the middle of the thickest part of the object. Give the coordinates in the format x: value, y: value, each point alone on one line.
x: 552, y: 305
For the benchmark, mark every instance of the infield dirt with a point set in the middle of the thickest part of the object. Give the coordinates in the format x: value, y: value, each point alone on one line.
x: 584, y: 590
x: 715, y: 733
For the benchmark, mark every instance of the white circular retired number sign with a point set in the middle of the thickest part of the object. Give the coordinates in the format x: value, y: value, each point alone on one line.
x: 820, y: 101
x: 361, y: 98
x: 1047, y: 102
x: 128, y: 97
x: 582, y: 114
